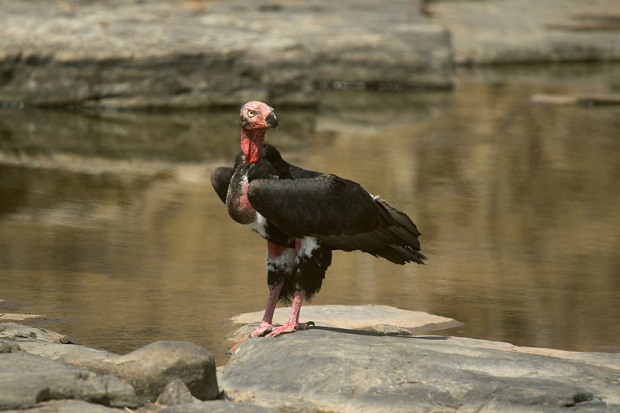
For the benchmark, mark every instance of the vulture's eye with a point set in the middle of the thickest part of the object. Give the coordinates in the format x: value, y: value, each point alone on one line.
x: 251, y: 113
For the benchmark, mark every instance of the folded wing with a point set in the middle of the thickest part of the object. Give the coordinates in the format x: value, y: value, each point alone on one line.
x: 339, y: 213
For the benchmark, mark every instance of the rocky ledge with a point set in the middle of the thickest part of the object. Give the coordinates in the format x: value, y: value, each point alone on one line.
x: 327, y: 368
x: 179, y: 54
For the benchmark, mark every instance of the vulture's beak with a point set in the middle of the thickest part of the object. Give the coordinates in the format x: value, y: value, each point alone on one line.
x: 271, y: 120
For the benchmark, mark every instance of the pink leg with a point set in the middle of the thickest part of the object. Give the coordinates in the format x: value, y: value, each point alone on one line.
x: 272, y: 301
x: 292, y: 324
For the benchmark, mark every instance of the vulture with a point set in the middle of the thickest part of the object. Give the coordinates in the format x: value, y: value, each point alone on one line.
x: 304, y: 215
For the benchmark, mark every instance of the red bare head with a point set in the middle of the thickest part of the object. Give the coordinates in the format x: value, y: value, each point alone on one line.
x: 255, y: 118
x: 257, y: 115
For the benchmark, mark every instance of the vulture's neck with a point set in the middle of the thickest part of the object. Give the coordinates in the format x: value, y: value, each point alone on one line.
x: 252, y: 144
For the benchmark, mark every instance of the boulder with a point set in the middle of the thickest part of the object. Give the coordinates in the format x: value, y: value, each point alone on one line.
x: 175, y: 393
x: 328, y: 369
x: 174, y: 371
x: 27, y: 379
x: 150, y: 368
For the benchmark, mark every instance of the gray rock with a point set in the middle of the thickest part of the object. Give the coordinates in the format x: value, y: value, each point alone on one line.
x: 389, y: 329
x: 150, y: 368
x: 380, y: 318
x: 325, y: 370
x: 166, y: 54
x: 530, y: 31
x: 172, y: 370
x: 8, y: 347
x: 175, y: 393
x: 35, y: 340
x: 218, y: 406
x: 26, y: 380
x: 18, y: 331
x: 18, y: 317
x: 68, y: 406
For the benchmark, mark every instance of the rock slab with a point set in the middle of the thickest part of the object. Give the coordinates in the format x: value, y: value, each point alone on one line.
x: 378, y: 318
x: 329, y: 370
x: 357, y: 317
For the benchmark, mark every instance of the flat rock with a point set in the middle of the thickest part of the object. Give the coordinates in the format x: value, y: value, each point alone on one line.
x: 218, y: 406
x: 68, y: 406
x: 18, y: 317
x: 342, y: 371
x: 12, y: 330
x: 379, y: 318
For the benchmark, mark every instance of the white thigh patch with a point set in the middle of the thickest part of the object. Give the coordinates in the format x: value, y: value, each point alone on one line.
x: 308, y: 244
x: 285, y: 262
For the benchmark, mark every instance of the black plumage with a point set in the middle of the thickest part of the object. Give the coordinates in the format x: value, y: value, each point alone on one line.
x: 305, y: 215
x: 336, y: 211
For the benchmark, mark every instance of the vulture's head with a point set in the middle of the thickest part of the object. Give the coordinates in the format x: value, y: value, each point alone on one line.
x: 257, y: 115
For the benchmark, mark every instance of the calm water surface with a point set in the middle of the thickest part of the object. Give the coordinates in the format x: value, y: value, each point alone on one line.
x: 109, y: 226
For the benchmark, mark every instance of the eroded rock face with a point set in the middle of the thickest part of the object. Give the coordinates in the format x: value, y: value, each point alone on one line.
x: 168, y: 54
x: 355, y: 371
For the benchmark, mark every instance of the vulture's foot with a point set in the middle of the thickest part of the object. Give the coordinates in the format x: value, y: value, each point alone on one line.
x: 305, y: 326
x: 289, y: 327
x: 262, y: 329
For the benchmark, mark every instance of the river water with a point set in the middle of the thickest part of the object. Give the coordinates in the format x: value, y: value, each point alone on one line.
x: 110, y: 229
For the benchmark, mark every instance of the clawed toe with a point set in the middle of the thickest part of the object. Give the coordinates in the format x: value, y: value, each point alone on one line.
x: 289, y: 328
x: 304, y: 326
x: 262, y: 330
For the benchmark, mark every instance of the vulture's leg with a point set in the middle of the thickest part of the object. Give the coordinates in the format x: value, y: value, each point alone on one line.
x: 280, y: 262
x: 265, y: 325
x: 311, y: 262
x: 292, y: 323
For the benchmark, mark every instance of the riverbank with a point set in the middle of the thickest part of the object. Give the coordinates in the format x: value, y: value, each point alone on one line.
x: 327, y: 368
x: 167, y: 54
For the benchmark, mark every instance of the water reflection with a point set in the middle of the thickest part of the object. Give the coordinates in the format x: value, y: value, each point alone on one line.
x: 108, y: 224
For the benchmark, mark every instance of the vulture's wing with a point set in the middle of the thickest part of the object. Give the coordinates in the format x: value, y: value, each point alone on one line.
x: 339, y: 213
x: 220, y: 179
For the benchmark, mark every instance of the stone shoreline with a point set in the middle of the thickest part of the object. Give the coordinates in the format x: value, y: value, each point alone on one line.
x: 166, y: 54
x: 328, y: 368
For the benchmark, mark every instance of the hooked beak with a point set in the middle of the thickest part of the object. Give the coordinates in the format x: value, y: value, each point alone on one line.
x: 271, y: 120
